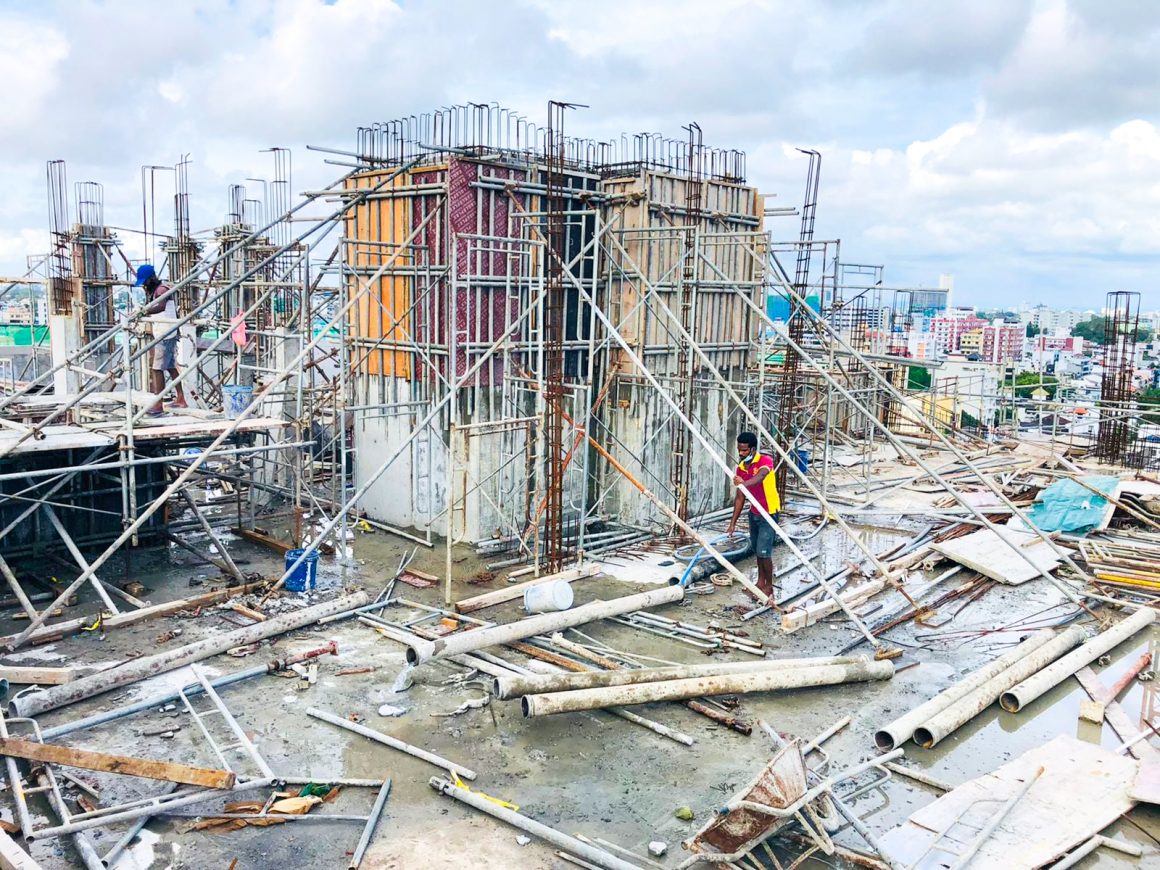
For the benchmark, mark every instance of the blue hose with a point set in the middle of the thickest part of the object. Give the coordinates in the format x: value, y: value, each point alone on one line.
x: 701, y: 554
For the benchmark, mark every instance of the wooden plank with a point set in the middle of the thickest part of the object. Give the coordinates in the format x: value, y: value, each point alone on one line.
x: 56, y: 632
x: 499, y: 596
x: 984, y: 551
x: 265, y: 540
x: 792, y: 620
x: 37, y: 676
x: 248, y: 612
x: 1115, y: 716
x: 164, y: 770
x: 71, y: 437
x: 12, y: 857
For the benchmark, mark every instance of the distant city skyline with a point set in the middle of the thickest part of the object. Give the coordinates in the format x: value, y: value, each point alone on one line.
x: 1013, y: 143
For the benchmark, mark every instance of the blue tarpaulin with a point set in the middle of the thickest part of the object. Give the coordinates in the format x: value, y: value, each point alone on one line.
x: 1065, y: 506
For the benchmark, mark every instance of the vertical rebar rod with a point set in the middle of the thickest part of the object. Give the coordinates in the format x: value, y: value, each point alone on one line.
x: 554, y: 328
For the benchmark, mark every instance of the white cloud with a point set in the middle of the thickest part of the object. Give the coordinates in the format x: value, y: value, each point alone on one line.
x: 967, y: 136
x: 30, y: 58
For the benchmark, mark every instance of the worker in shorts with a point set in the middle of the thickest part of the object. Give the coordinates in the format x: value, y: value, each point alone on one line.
x: 755, y: 476
x: 161, y: 308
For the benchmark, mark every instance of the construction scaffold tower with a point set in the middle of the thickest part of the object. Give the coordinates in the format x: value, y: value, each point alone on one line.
x: 538, y: 344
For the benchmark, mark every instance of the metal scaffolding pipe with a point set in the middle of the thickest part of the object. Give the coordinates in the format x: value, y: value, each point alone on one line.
x: 35, y: 703
x: 835, y: 337
x: 1023, y: 694
x: 110, y: 857
x: 421, y: 651
x: 508, y: 687
x: 372, y: 822
x: 393, y: 742
x: 900, y: 730
x: 711, y: 452
x: 968, y: 706
x: 676, y: 690
x: 155, y: 807
x: 569, y: 844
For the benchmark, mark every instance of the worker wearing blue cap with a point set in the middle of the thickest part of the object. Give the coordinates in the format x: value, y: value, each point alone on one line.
x: 161, y: 307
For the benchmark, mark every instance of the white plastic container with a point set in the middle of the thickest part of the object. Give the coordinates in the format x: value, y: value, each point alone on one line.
x: 548, y: 597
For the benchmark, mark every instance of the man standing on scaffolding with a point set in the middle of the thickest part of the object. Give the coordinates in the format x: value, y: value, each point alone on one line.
x: 755, y: 476
x: 161, y: 308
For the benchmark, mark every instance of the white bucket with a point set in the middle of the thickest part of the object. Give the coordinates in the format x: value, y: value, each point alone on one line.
x: 546, y: 597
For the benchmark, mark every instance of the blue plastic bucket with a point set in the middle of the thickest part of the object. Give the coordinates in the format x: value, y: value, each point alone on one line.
x: 305, y: 576
x: 236, y: 399
x: 801, y: 458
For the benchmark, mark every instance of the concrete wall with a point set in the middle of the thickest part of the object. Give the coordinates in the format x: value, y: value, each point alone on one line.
x: 642, y: 424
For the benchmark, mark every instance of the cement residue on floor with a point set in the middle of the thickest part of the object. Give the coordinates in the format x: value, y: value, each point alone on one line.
x: 585, y: 773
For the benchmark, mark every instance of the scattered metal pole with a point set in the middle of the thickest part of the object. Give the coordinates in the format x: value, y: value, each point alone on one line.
x: 1023, y: 694
x: 83, y: 845
x: 674, y: 690
x: 110, y: 857
x: 369, y: 830
x: 468, y: 641
x: 964, y: 858
x: 393, y: 742
x: 16, y: 786
x: 132, y: 671
x: 1073, y: 858
x: 589, y: 853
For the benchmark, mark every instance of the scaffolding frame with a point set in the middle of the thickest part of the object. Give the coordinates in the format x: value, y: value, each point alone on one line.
x: 506, y: 308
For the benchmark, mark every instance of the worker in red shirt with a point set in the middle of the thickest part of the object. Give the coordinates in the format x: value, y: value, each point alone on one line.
x: 755, y: 475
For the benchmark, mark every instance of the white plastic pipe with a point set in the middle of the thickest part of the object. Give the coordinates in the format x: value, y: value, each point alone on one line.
x: 514, y: 686
x: 726, y: 684
x: 1020, y: 696
x: 966, y: 708
x: 901, y: 729
x: 421, y: 651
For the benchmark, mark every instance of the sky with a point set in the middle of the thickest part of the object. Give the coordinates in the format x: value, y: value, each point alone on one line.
x: 1011, y: 143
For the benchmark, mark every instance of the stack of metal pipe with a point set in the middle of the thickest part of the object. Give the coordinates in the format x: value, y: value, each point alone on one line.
x: 1017, y: 678
x: 545, y: 694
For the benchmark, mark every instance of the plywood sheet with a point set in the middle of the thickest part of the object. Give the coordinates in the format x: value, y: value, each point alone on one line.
x: 1146, y: 787
x: 984, y: 551
x: 1046, y: 822
x: 71, y: 437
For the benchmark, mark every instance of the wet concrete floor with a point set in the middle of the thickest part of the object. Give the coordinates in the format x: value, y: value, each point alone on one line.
x: 586, y: 773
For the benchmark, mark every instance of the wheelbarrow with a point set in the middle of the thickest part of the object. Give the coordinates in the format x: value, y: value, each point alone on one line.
x: 779, y: 796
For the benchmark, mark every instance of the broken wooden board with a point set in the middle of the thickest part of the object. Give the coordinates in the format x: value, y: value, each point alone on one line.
x: 164, y: 770
x: 1115, y: 716
x: 60, y: 629
x: 37, y: 676
x: 797, y: 618
x: 417, y: 580
x: 1045, y: 823
x: 984, y: 551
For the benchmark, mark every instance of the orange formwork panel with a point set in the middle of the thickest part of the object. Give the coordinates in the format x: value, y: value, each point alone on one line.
x: 378, y: 228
